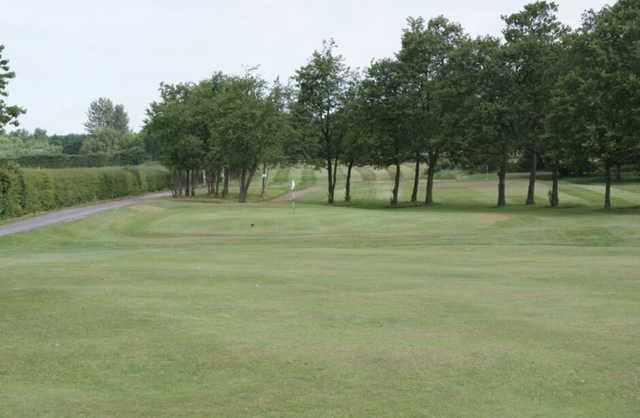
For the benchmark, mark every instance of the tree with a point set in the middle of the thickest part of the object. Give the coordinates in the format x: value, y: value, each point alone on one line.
x: 604, y: 85
x: 21, y: 142
x: 172, y: 124
x: 492, y: 125
x: 120, y: 120
x: 387, y: 109
x: 248, y: 126
x: 8, y: 114
x: 560, y: 143
x: 229, y: 123
x: 70, y: 143
x: 321, y: 86
x: 357, y: 144
x: 425, y: 54
x: 532, y: 37
x: 104, y: 140
x: 103, y: 114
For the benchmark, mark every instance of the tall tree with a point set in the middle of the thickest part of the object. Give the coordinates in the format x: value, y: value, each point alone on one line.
x: 120, y: 120
x: 226, y: 123
x: 493, y: 123
x: 387, y: 109
x: 248, y: 126
x: 604, y: 85
x: 321, y: 85
x: 8, y: 114
x: 425, y: 54
x: 170, y: 122
x: 560, y: 145
x: 103, y: 114
x: 532, y: 36
x: 357, y: 141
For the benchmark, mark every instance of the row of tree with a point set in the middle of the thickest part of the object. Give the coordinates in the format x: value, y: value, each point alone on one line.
x: 543, y: 94
x: 224, y: 126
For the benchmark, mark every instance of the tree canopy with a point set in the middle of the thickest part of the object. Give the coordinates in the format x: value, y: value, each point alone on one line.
x: 8, y: 113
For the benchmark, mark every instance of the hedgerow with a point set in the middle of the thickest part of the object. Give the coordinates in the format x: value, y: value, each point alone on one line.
x: 121, y: 158
x: 29, y: 190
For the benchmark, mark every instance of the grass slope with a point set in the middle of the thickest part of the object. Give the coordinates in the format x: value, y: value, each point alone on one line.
x: 183, y: 309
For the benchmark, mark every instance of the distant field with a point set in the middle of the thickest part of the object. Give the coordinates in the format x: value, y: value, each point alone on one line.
x: 184, y: 309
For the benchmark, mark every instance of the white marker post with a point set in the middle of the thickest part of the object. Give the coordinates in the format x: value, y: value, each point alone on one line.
x: 293, y: 196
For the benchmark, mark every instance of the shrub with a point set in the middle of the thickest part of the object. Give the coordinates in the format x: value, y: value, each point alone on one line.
x: 29, y: 190
x: 132, y: 156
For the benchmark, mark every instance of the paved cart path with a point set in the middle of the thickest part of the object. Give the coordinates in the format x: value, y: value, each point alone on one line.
x: 68, y: 215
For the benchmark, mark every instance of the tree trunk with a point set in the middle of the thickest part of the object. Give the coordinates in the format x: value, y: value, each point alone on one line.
x: 618, y: 172
x: 607, y: 190
x: 554, y: 200
x: 396, y: 187
x: 225, y: 185
x: 242, y: 196
x: 245, y: 181
x: 174, y: 184
x: 416, y: 181
x: 531, y: 193
x: 347, y: 192
x: 216, y: 190
x: 431, y: 173
x: 179, y: 182
x: 329, y: 181
x: 248, y: 179
x: 194, y: 179
x: 186, y: 183
x: 209, y: 179
x: 335, y: 177
x: 502, y: 174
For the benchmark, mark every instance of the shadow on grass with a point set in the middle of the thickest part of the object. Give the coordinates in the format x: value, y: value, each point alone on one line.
x: 479, y: 208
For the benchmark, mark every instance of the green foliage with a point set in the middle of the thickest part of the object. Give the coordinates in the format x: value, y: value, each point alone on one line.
x: 322, y: 86
x: 131, y: 156
x: 226, y: 122
x: 21, y: 142
x: 70, y: 143
x: 434, y: 90
x: 103, y: 114
x: 103, y: 140
x: 24, y: 190
x: 540, y: 94
x: 12, y: 190
x: 8, y: 114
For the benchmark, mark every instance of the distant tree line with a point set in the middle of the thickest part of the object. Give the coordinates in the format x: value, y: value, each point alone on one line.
x: 108, y: 141
x: 542, y: 95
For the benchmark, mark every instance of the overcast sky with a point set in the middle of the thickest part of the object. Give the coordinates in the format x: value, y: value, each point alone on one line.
x: 67, y: 53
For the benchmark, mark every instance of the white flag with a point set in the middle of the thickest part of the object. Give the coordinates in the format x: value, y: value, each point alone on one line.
x: 293, y: 184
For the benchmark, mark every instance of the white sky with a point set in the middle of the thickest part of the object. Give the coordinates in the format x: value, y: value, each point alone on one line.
x: 67, y: 53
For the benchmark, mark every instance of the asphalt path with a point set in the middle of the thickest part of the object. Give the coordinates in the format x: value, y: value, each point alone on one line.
x: 69, y: 215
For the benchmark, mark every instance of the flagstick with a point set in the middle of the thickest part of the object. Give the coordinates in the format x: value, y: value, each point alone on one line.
x: 293, y: 196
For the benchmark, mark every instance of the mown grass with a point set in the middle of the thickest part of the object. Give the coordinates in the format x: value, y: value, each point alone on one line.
x: 278, y: 182
x: 199, y: 309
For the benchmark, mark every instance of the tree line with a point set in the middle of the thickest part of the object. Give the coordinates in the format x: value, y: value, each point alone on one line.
x: 108, y: 141
x: 541, y: 96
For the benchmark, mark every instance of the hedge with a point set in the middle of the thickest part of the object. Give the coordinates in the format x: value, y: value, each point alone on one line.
x: 28, y: 190
x: 134, y: 156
